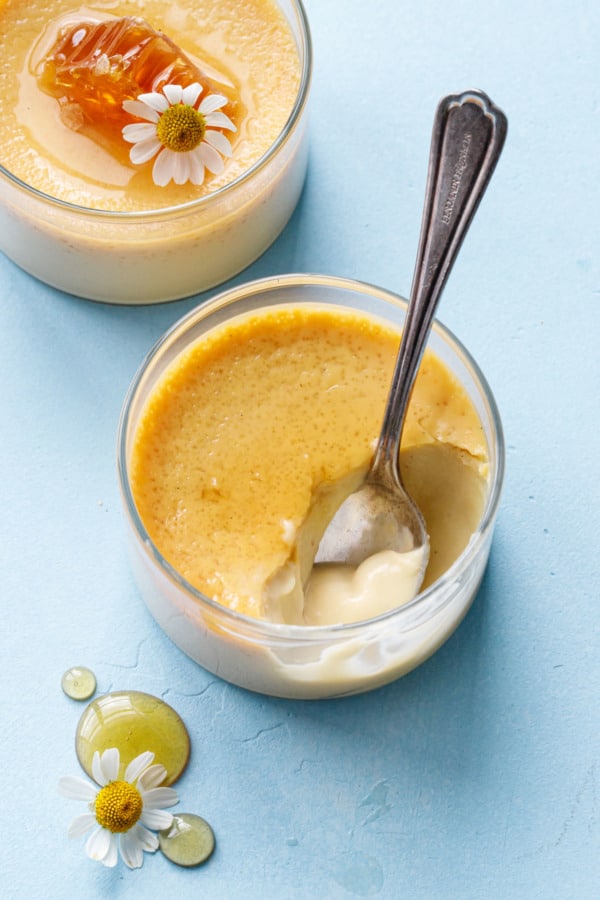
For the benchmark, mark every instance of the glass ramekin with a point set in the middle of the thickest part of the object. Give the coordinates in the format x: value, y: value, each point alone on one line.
x: 306, y: 661
x: 165, y: 254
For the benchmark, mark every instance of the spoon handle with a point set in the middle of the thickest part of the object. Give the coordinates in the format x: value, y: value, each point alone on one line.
x: 468, y: 135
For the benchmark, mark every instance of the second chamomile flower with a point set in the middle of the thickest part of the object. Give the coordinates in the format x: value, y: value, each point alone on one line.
x: 121, y: 811
x: 186, y: 134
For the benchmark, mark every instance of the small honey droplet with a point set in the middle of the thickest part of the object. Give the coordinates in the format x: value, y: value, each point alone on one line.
x: 133, y: 722
x: 78, y: 683
x: 189, y: 841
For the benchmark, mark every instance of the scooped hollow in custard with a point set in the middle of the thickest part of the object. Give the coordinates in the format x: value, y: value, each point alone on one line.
x: 95, y: 70
x: 259, y: 430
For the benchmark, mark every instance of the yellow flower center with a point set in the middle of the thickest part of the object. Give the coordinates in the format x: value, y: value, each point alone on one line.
x: 118, y: 806
x: 181, y: 128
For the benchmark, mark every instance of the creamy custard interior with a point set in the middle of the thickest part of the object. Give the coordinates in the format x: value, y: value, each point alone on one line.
x: 250, y: 425
x: 247, y: 46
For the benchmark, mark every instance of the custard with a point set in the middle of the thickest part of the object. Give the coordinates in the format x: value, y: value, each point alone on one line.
x: 250, y: 424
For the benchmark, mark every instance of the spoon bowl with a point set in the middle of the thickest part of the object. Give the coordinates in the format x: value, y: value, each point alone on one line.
x: 467, y: 139
x: 375, y: 518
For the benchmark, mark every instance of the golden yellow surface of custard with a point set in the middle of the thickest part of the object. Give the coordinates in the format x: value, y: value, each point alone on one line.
x: 245, y: 46
x: 252, y: 419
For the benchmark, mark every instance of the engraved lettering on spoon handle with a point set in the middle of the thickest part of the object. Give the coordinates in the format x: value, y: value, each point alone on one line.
x: 468, y: 136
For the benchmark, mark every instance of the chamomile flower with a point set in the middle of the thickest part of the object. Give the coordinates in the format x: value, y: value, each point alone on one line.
x: 121, y: 811
x: 187, y: 135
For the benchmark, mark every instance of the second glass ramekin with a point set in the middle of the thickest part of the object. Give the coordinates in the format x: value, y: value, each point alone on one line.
x: 307, y: 661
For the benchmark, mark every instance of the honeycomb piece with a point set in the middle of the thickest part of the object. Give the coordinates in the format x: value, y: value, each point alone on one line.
x: 97, y: 66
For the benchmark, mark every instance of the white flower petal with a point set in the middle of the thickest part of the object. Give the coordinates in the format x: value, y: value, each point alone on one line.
x: 181, y: 169
x: 98, y: 844
x: 81, y: 824
x: 110, y: 762
x: 219, y: 120
x: 158, y: 819
x: 155, y: 101
x: 141, y: 110
x: 133, y: 843
x: 76, y: 788
x: 211, y: 159
x: 97, y: 773
x: 159, y: 797
x: 145, y: 150
x: 145, y: 838
x: 196, y: 167
x: 151, y: 777
x: 218, y: 140
x: 131, y: 850
x: 191, y: 93
x: 173, y: 93
x: 212, y: 103
x: 112, y: 856
x: 139, y: 131
x: 162, y: 171
x: 137, y: 766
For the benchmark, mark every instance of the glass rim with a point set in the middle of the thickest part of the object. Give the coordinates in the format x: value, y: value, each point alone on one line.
x: 309, y: 634
x: 208, y: 200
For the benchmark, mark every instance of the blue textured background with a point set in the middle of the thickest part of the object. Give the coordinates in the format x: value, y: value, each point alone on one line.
x: 477, y: 775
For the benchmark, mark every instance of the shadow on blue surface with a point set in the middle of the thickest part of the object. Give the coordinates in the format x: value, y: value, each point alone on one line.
x: 448, y: 695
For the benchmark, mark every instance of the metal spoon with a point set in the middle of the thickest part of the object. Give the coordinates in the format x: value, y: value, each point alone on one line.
x: 468, y: 135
